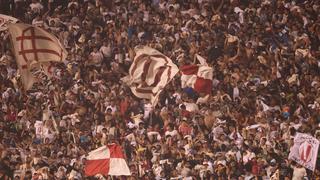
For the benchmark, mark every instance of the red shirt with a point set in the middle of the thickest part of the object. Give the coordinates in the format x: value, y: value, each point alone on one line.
x: 124, y: 106
x: 11, y: 116
x: 184, y: 129
x: 255, y: 168
x: 185, y: 113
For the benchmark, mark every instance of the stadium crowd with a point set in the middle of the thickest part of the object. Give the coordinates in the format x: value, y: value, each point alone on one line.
x: 266, y: 87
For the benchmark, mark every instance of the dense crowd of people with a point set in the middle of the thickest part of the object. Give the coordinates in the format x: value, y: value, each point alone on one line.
x: 266, y: 88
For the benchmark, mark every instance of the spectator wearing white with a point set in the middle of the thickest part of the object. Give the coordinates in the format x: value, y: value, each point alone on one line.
x: 36, y: 6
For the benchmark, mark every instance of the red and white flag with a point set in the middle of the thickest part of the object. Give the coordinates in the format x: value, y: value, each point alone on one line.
x: 107, y: 160
x: 33, y: 46
x: 197, y: 76
x: 149, y: 73
x: 5, y: 20
x: 305, y: 150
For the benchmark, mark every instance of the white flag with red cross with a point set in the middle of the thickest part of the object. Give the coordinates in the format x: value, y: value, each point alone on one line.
x: 305, y: 150
x: 33, y: 46
x: 149, y: 73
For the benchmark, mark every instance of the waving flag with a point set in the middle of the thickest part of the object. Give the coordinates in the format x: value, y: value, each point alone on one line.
x: 107, y: 160
x: 5, y: 20
x: 149, y: 73
x: 305, y: 150
x: 33, y: 46
x: 197, y: 76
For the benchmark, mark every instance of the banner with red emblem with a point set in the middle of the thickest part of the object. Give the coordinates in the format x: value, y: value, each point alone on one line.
x: 305, y: 150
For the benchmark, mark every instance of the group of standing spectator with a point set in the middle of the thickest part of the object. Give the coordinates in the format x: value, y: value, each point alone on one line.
x: 266, y: 87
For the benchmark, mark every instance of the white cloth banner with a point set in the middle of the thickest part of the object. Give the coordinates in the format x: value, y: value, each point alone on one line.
x: 305, y: 150
x: 149, y: 73
x: 34, y: 47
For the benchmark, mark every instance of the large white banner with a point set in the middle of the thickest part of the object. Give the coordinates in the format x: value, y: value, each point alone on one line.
x: 149, y: 73
x: 5, y: 20
x: 34, y: 47
x: 305, y: 150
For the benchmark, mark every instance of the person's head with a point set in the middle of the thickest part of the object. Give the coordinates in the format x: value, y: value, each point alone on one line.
x: 28, y: 175
x: 170, y: 127
x: 104, y: 130
x: 231, y: 128
x: 141, y: 125
x: 109, y: 111
x: 105, y: 43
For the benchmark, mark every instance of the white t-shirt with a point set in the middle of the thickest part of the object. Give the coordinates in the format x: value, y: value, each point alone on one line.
x: 191, y: 107
x: 246, y: 158
x: 99, y: 129
x: 177, y: 96
x: 96, y: 56
x: 111, y: 131
x: 147, y: 110
x: 37, y: 23
x: 236, y: 92
x: 171, y: 133
x: 106, y: 51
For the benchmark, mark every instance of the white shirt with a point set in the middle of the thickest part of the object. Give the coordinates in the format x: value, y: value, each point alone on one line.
x: 147, y: 110
x: 171, y: 133
x: 37, y: 22
x: 106, y: 51
x: 145, y: 16
x: 236, y: 92
x: 96, y: 57
x: 177, y: 96
x: 248, y: 157
x: 99, y: 129
x: 191, y: 107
